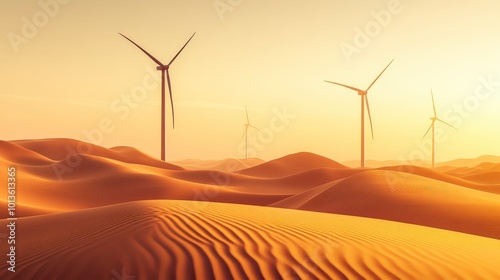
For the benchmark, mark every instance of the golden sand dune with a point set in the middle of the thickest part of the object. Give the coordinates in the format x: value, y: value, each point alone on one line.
x: 485, y: 177
x: 61, y: 150
x: 491, y: 185
x: 24, y: 210
x: 113, y: 184
x: 87, y: 212
x: 187, y: 240
x: 225, y: 165
x: 484, y: 173
x: 457, y: 163
x: 99, y: 181
x: 12, y: 153
x: 52, y: 183
x: 291, y: 164
x: 471, y: 162
x: 287, y: 185
x: 415, y: 200
x: 50, y: 175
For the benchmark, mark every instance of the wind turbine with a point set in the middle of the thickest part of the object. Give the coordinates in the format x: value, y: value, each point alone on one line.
x: 164, y: 68
x: 434, y: 119
x: 245, y: 134
x: 364, y: 99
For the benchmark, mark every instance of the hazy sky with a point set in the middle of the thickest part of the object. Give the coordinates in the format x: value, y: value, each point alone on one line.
x: 66, y: 73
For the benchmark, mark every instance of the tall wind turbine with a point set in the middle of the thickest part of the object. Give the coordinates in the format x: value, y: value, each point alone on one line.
x: 434, y: 119
x: 364, y: 99
x: 164, y: 68
x: 245, y: 134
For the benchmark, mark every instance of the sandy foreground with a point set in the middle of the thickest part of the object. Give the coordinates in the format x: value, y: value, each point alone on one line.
x: 189, y: 240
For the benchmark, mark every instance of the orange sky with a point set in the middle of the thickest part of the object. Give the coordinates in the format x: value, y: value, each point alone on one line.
x: 65, y: 70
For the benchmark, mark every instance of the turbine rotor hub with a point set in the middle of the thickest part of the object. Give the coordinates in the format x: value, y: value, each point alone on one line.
x: 161, y: 68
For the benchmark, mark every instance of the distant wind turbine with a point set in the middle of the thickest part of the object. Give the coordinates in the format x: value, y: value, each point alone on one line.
x: 364, y: 99
x: 164, y: 68
x: 434, y: 119
x: 245, y: 134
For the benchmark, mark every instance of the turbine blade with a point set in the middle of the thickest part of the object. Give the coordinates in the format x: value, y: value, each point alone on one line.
x: 173, y: 59
x: 171, y: 98
x: 349, y: 87
x: 428, y: 130
x: 379, y: 75
x: 244, y: 133
x: 255, y: 127
x: 369, y: 114
x: 433, y: 104
x: 447, y: 123
x: 148, y: 54
x: 246, y: 111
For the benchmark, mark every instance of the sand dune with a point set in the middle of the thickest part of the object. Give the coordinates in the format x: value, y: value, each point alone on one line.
x: 493, y: 184
x: 61, y: 149
x: 100, y: 213
x: 416, y: 200
x: 372, y: 163
x: 50, y: 176
x: 183, y: 240
x: 12, y: 153
x: 458, y: 163
x: 24, y: 210
x: 106, y: 177
x: 291, y: 164
x: 484, y: 173
x: 472, y: 162
x: 225, y: 165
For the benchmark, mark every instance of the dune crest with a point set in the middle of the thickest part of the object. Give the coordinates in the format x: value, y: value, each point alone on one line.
x: 59, y: 149
x: 225, y: 165
x: 291, y: 164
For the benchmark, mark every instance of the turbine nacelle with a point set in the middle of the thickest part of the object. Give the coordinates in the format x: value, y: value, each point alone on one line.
x: 161, y: 68
x: 362, y: 92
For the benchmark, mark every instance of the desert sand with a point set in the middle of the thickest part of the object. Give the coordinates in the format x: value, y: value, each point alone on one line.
x: 187, y: 240
x: 87, y: 212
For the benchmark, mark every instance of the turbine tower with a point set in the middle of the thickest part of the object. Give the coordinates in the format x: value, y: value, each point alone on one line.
x: 364, y: 100
x: 245, y: 134
x: 164, y: 68
x: 434, y: 119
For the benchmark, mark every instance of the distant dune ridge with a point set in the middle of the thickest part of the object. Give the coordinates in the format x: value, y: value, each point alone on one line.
x: 473, y: 162
x: 61, y: 149
x: 98, y: 213
x: 291, y: 164
x: 226, y: 165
